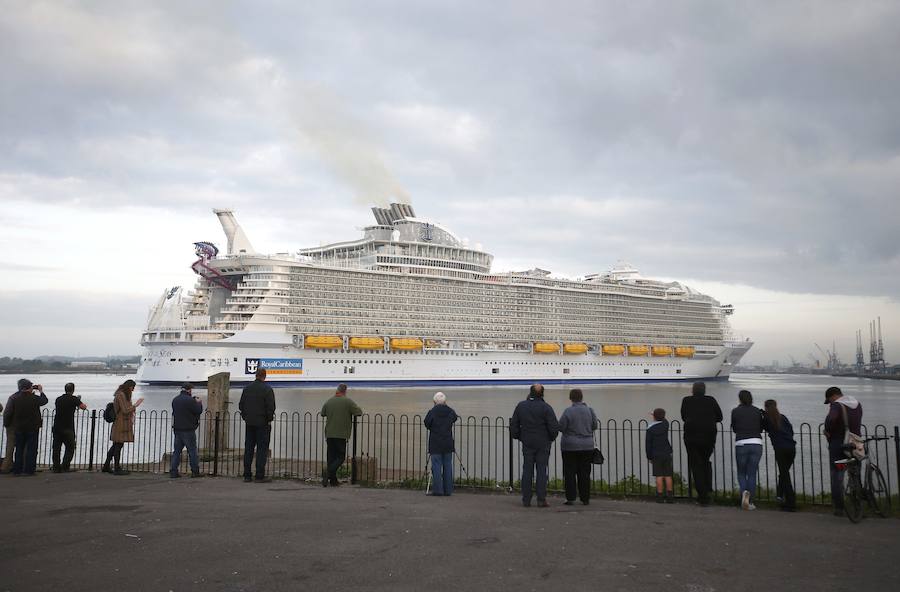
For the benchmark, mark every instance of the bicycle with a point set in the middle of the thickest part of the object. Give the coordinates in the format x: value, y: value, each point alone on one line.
x: 875, y: 492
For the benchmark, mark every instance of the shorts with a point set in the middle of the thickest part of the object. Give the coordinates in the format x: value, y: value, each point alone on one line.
x: 662, y: 466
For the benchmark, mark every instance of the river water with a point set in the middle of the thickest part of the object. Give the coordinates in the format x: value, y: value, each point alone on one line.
x: 800, y: 397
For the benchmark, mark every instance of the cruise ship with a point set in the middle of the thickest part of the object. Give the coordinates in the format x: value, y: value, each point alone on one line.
x: 410, y: 303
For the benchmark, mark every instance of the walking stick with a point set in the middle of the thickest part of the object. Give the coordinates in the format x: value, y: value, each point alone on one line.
x: 427, y: 474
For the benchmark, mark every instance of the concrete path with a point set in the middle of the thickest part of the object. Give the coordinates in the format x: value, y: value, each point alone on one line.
x: 147, y: 532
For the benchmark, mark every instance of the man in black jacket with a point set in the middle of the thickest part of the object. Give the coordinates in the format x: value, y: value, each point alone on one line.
x: 700, y: 414
x: 534, y: 424
x: 186, y: 411
x: 23, y: 415
x: 64, y: 427
x: 257, y: 407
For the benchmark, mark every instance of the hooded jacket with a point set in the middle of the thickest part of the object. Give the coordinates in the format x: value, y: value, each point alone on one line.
x: 657, y: 440
x: 834, y: 421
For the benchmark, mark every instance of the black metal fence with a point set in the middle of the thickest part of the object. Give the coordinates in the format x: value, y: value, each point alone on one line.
x: 390, y: 450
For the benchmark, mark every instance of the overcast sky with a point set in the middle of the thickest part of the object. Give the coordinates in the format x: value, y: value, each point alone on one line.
x: 751, y: 150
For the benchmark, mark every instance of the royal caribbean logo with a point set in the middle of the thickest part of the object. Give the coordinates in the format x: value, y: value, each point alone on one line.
x: 274, y: 365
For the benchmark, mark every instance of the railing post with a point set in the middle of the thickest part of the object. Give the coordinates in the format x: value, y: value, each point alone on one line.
x: 215, y: 471
x: 93, y: 429
x: 353, y: 455
x: 897, y: 454
x: 510, y: 458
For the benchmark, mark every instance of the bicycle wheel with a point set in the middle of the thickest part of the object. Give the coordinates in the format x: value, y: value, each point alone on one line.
x: 853, y: 502
x: 878, y: 494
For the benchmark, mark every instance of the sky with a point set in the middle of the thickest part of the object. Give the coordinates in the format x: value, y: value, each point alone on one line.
x: 750, y: 150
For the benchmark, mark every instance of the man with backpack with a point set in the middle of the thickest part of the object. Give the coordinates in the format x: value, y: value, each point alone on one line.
x: 186, y: 411
x: 844, y: 413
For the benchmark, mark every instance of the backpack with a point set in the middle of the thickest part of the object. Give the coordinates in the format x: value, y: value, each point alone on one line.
x: 109, y: 413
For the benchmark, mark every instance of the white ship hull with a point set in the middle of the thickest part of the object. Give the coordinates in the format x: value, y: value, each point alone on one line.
x: 304, y: 367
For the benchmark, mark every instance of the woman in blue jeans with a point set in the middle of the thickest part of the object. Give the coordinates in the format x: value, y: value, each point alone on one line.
x: 747, y: 425
x: 439, y: 421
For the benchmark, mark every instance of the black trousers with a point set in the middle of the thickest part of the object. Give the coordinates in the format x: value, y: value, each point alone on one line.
x: 699, y: 453
x: 256, y: 443
x: 784, y: 458
x: 336, y: 452
x: 114, y: 452
x: 63, y: 437
x: 577, y: 473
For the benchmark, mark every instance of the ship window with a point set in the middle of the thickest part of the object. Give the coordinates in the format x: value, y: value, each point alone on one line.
x: 180, y: 359
x: 565, y: 370
x: 678, y: 371
x: 171, y: 359
x: 235, y: 359
x: 495, y: 370
x: 646, y: 370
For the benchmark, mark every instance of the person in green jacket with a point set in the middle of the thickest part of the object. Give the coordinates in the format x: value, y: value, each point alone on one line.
x: 338, y: 411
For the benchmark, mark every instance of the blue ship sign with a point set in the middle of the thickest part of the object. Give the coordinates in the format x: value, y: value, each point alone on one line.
x: 280, y: 366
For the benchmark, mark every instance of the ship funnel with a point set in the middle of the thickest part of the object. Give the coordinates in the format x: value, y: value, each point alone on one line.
x: 237, y: 240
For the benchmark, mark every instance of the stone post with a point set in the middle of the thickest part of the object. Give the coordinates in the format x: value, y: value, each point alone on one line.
x: 218, y: 387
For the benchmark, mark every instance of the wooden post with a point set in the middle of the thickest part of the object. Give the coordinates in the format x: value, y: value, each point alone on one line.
x: 218, y: 387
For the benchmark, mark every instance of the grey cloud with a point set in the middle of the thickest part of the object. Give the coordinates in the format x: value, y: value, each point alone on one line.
x: 722, y: 141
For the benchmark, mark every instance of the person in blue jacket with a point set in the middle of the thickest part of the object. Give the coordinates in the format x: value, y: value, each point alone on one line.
x: 534, y: 424
x: 781, y: 434
x: 439, y: 421
x: 659, y: 453
x: 186, y: 410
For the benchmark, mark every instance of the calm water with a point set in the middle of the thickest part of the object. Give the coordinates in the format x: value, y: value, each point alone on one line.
x: 799, y: 397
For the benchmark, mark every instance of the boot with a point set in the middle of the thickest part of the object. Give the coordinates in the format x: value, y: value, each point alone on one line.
x: 670, y: 497
x: 659, y: 497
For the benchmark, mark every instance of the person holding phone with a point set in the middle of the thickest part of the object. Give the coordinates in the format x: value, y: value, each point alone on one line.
x: 123, y: 427
x: 23, y: 416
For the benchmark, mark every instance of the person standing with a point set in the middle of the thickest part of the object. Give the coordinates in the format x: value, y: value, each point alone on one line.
x: 534, y: 424
x: 23, y: 415
x: 257, y: 407
x: 700, y: 414
x: 577, y: 425
x: 439, y: 422
x: 781, y: 433
x: 844, y: 412
x: 659, y: 453
x: 338, y: 411
x: 747, y: 425
x: 186, y: 410
x: 64, y: 427
x: 123, y: 427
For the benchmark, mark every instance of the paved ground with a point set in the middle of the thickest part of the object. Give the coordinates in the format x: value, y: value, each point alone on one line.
x: 145, y: 532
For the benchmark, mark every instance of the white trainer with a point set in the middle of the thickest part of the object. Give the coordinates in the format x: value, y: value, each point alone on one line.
x: 745, y: 500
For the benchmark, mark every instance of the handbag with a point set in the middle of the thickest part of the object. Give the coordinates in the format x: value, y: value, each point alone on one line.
x: 597, y: 455
x: 853, y: 443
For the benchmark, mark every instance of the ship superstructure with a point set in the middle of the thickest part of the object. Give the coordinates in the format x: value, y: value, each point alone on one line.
x: 411, y: 303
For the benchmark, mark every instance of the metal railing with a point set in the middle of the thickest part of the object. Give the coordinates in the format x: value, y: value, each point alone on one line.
x: 390, y: 450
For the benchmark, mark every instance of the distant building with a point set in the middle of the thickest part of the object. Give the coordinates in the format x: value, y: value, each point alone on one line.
x: 88, y: 365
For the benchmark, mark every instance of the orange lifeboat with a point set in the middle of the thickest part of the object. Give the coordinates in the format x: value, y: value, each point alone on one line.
x: 324, y: 341
x: 406, y: 343
x: 638, y: 350
x: 613, y: 350
x: 661, y: 350
x: 546, y: 347
x: 575, y: 348
x: 684, y: 352
x: 367, y: 343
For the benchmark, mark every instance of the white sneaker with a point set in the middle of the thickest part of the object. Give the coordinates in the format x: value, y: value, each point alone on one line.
x: 745, y: 500
x: 751, y: 507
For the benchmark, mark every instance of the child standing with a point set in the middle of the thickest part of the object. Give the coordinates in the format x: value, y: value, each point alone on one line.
x: 659, y: 453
